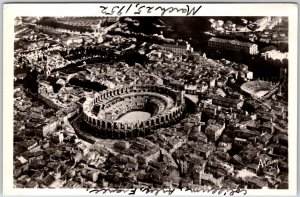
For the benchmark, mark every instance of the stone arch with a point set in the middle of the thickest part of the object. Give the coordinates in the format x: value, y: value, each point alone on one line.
x: 152, y: 122
x: 141, y: 125
x: 109, y: 125
x: 114, y: 125
x: 128, y: 126
x: 133, y: 125
x: 148, y: 123
x: 103, y: 125
x: 157, y: 121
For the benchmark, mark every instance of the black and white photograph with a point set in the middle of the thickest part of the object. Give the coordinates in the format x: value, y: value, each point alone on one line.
x: 162, y: 103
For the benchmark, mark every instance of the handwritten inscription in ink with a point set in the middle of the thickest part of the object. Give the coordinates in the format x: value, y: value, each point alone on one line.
x: 139, y: 9
x: 169, y: 191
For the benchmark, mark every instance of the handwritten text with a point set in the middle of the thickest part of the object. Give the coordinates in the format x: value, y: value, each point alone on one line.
x: 144, y: 9
x: 169, y: 191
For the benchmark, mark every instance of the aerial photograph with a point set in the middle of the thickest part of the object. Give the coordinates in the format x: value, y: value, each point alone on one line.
x: 151, y: 102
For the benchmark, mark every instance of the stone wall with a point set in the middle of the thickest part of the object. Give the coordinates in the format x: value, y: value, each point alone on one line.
x: 114, y: 129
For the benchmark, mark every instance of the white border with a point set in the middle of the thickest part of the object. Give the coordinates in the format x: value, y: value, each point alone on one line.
x: 10, y: 11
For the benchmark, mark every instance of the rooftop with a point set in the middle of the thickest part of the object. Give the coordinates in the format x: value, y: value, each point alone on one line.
x: 232, y: 42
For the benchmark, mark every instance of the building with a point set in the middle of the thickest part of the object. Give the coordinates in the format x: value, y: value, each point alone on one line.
x: 205, y: 149
x: 214, y: 130
x: 263, y: 21
x: 96, y: 27
x: 121, y: 100
x: 227, y: 102
x: 209, y: 109
x: 45, y: 87
x: 46, y: 129
x: 73, y: 40
x: 58, y: 138
x: 275, y: 55
x: 248, y: 75
x: 233, y: 45
x: 183, y: 167
x: 240, y: 142
x: 178, y: 49
x: 245, y: 133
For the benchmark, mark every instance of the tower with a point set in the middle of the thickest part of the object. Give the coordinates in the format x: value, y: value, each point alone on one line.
x: 183, y: 167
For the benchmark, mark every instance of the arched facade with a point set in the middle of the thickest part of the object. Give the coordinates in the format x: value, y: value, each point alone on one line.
x: 163, y: 98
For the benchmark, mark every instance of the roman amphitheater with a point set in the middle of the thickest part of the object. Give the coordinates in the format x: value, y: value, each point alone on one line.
x: 257, y: 88
x: 104, y: 111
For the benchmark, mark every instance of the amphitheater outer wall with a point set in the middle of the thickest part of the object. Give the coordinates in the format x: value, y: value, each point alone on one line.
x: 113, y: 129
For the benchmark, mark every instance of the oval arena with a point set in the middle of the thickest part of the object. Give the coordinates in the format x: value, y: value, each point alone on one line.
x: 102, y: 112
x: 257, y: 88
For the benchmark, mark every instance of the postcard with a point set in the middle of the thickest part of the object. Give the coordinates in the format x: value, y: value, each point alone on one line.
x: 150, y: 99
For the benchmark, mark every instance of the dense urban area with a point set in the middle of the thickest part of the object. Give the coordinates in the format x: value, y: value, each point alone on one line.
x: 218, y: 103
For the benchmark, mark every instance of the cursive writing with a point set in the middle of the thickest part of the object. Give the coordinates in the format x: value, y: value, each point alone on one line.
x: 141, y: 9
x: 107, y: 191
x: 169, y: 191
x: 219, y: 191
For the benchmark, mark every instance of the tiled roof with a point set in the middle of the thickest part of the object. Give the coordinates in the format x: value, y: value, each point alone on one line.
x: 232, y: 42
x: 175, y: 46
